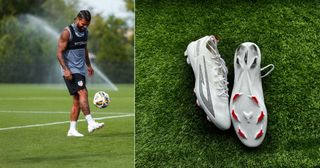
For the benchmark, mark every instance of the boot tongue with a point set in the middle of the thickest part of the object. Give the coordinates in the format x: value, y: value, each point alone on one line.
x: 212, y: 46
x: 215, y: 39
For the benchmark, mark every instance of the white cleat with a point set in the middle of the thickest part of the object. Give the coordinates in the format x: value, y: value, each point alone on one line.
x: 74, y: 133
x: 208, y: 118
x: 247, y: 109
x: 211, y: 80
x: 94, y: 126
x: 198, y: 103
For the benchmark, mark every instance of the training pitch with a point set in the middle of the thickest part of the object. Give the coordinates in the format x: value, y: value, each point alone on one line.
x: 34, y: 120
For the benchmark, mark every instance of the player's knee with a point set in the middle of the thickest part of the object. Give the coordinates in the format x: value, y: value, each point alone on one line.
x: 83, y: 92
x: 76, y: 100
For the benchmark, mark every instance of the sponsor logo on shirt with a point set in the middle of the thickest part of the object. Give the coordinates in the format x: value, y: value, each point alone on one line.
x: 80, y: 43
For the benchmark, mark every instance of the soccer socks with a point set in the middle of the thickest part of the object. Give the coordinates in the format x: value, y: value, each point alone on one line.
x: 73, y: 125
x: 73, y: 130
x: 93, y: 125
x: 89, y: 119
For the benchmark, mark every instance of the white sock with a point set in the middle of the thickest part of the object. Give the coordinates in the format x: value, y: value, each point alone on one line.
x: 89, y: 119
x: 73, y: 125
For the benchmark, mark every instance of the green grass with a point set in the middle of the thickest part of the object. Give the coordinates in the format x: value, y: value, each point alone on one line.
x: 172, y: 132
x: 48, y: 146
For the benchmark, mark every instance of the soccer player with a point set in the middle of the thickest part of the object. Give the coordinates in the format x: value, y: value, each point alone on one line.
x: 73, y: 57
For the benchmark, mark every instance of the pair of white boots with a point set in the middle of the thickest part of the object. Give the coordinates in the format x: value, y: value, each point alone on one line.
x: 92, y: 126
x: 246, y: 109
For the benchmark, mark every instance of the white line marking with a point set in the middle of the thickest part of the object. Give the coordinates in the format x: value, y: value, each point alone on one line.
x: 47, y: 98
x: 32, y: 98
x: 61, y: 122
x: 57, y: 112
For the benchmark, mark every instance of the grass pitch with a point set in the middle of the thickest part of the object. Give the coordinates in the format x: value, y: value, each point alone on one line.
x: 172, y: 132
x: 48, y: 146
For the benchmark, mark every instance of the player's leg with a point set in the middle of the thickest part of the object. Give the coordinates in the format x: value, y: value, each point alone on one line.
x: 84, y: 105
x: 74, y: 115
x: 83, y: 101
x: 75, y: 110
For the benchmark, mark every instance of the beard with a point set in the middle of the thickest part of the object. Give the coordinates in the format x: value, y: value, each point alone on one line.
x: 82, y: 29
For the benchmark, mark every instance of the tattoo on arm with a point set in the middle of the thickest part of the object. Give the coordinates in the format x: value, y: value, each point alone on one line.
x: 62, y: 45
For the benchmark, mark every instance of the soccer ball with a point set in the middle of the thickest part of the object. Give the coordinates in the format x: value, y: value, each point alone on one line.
x: 101, y: 99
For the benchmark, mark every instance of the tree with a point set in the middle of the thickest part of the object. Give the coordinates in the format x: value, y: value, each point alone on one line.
x: 112, y: 46
x: 16, y: 7
x: 130, y: 5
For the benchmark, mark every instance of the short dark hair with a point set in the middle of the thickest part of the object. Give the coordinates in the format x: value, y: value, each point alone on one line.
x: 84, y: 14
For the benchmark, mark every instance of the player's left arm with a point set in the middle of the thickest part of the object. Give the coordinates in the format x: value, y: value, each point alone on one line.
x: 88, y: 63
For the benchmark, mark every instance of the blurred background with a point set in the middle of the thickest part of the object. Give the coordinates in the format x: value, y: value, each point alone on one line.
x: 29, y: 31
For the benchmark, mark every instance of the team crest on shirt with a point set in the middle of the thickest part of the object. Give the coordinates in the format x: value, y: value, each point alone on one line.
x: 80, y: 83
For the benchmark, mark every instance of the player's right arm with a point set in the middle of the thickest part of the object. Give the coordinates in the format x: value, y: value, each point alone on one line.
x: 62, y: 45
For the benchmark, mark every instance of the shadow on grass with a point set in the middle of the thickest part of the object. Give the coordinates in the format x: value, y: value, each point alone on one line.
x: 60, y: 158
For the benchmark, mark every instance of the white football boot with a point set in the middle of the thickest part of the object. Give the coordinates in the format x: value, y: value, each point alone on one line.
x: 211, y: 80
x: 94, y: 126
x: 74, y: 133
x: 247, y: 109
